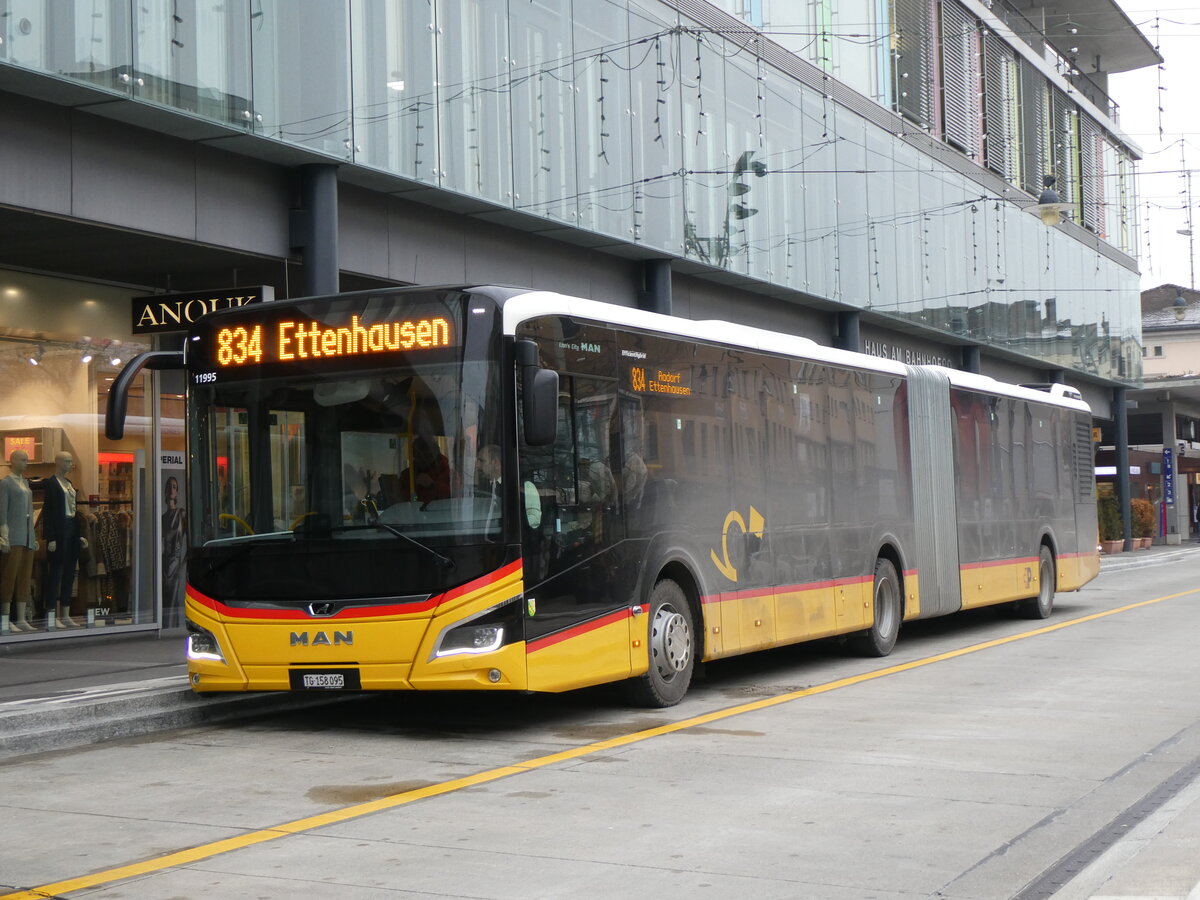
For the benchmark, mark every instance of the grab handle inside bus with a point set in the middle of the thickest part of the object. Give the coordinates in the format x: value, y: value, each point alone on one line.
x: 118, y: 397
x: 539, y: 410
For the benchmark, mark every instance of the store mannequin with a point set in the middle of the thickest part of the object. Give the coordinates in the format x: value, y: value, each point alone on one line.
x: 60, y: 531
x: 17, y: 542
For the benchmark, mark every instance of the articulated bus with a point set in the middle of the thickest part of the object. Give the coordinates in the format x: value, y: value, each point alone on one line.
x: 500, y: 489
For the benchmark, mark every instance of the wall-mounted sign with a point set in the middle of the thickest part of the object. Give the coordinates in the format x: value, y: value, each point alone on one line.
x: 910, y: 356
x: 175, y: 312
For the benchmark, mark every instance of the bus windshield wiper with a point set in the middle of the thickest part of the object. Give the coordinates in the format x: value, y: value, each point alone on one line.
x: 372, y: 512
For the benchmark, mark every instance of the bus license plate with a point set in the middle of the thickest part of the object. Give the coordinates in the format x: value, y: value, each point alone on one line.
x: 325, y: 680
x: 334, y: 681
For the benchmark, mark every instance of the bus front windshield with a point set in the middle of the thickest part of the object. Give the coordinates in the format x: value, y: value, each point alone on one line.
x: 365, y: 485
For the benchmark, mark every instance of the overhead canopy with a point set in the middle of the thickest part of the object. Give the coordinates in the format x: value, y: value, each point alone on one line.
x: 1107, y: 39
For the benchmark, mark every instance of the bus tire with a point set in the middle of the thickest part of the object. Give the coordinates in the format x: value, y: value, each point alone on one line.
x: 880, y: 638
x: 1042, y: 605
x: 671, y: 646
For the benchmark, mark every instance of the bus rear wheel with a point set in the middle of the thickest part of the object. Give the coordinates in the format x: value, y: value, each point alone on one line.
x: 1042, y: 605
x: 671, y: 644
x: 880, y: 638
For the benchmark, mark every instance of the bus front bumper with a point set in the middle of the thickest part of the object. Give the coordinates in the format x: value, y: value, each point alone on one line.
x: 369, y: 654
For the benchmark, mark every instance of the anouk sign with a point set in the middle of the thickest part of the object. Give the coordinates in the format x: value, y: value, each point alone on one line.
x: 175, y: 312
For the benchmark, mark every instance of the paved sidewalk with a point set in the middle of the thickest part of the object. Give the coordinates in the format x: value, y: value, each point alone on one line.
x: 1159, y: 554
x: 56, y: 694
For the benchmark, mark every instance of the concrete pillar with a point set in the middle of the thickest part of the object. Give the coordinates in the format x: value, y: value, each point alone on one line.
x: 656, y: 294
x: 849, y: 337
x: 970, y: 359
x: 314, y: 230
x: 1121, y: 434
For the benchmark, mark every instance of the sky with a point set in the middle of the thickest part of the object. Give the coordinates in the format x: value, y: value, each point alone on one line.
x: 1166, y: 257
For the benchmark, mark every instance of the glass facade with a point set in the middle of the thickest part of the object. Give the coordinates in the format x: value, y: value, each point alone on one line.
x: 77, y: 511
x: 629, y: 119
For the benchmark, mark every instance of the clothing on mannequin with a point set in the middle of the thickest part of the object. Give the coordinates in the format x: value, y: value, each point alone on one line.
x: 17, y: 543
x: 60, y: 530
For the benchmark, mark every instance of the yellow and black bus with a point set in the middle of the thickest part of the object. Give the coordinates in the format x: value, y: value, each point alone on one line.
x: 499, y: 489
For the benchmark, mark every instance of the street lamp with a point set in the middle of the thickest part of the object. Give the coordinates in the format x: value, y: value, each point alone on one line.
x: 1050, y: 206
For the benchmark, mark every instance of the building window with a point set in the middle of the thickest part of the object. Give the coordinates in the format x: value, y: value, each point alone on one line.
x: 1158, y: 351
x: 77, y: 511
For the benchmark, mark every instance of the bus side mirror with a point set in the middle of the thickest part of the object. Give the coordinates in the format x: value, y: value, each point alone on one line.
x: 539, y: 411
x: 540, y: 406
x: 118, y: 395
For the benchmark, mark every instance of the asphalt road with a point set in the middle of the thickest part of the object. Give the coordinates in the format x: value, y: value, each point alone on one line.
x: 988, y: 757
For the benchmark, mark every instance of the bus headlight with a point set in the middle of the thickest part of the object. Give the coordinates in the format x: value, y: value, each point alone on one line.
x: 487, y: 631
x: 472, y: 639
x: 202, y: 644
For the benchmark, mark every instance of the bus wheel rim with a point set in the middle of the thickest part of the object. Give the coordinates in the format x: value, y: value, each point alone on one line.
x: 1046, y: 588
x: 885, y: 607
x: 670, y: 642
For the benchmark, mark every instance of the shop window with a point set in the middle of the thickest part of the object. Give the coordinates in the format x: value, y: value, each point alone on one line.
x: 79, y: 529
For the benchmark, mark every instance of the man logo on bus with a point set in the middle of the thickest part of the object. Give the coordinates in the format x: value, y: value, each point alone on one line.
x: 321, y: 639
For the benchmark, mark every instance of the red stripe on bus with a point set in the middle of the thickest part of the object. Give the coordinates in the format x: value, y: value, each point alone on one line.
x: 786, y: 589
x: 391, y: 609
x: 998, y: 562
x: 513, y: 568
x: 567, y: 633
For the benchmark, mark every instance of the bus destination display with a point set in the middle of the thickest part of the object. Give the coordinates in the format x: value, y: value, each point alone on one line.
x: 239, y: 345
x: 270, y: 342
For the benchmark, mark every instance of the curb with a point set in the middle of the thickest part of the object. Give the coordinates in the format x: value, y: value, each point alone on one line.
x: 128, y: 710
x: 1116, y: 563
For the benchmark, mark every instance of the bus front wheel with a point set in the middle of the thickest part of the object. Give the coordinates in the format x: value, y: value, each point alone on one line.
x: 1042, y: 605
x: 671, y: 644
x: 880, y: 638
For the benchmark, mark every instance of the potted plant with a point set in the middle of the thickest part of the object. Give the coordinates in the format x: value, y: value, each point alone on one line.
x: 1109, y: 514
x: 1142, y: 513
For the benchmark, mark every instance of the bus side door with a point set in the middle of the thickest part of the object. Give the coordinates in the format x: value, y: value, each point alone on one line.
x: 578, y: 573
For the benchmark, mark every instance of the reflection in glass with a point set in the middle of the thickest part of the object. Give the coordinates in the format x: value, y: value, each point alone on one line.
x: 783, y: 155
x: 301, y: 73
x: 395, y: 101
x: 543, y: 107
x: 708, y: 218
x: 87, y: 40
x: 195, y: 57
x: 605, y: 60
x: 819, y: 188
x: 475, y: 78
x: 658, y: 145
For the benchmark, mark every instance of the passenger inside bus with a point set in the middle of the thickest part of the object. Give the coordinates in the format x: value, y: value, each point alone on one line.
x: 490, y: 468
x: 428, y: 477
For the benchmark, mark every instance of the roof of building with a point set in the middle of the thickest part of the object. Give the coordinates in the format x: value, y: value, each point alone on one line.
x: 1107, y: 40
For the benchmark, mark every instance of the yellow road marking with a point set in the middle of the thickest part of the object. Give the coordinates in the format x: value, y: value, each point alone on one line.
x: 206, y: 851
